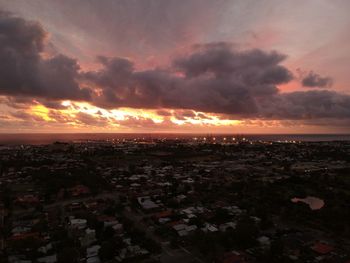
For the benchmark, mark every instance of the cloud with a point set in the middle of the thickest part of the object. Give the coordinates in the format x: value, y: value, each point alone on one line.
x: 131, y: 28
x: 313, y: 80
x: 213, y: 78
x: 254, y: 67
x: 23, y: 70
x: 26, y: 116
x: 50, y: 104
x: 304, y: 105
x: 216, y: 78
x: 164, y: 113
x: 90, y: 120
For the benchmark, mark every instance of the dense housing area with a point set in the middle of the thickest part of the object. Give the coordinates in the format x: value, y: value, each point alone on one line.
x: 180, y: 200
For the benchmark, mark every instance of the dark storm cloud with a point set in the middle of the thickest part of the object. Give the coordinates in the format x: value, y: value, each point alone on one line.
x: 315, y: 80
x: 214, y: 78
x: 52, y: 104
x: 306, y: 105
x: 221, y: 60
x: 23, y: 71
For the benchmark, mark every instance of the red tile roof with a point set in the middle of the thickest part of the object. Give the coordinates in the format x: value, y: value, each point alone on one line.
x: 79, y: 190
x: 233, y: 258
x: 162, y: 214
x: 24, y: 236
x: 322, y: 248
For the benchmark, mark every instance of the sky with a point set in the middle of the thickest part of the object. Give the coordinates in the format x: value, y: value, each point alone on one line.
x: 195, y: 66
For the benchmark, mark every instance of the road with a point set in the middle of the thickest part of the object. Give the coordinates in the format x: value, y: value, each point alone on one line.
x: 169, y: 254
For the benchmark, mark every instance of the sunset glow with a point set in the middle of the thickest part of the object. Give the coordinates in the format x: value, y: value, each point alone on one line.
x: 174, y: 131
x: 77, y: 114
x: 159, y: 68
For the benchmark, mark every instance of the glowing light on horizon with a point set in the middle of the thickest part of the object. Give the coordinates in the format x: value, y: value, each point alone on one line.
x: 41, y: 111
x: 71, y: 115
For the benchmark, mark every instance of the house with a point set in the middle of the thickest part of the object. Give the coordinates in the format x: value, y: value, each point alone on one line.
x: 45, y: 249
x: 18, y: 259
x: 23, y: 236
x: 233, y: 257
x: 27, y: 199
x: 164, y: 220
x: 92, y: 251
x: 88, y: 238
x: 163, y: 214
x: 20, y: 229
x: 78, y: 223
x: 264, y: 241
x: 209, y: 228
x: 146, y: 203
x: 107, y: 220
x: 75, y: 206
x: 322, y: 248
x: 183, y: 229
x: 93, y: 260
x: 48, y: 259
x: 229, y: 225
x: 79, y: 190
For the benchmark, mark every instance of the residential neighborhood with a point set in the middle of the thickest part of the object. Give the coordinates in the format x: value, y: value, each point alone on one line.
x: 202, y: 199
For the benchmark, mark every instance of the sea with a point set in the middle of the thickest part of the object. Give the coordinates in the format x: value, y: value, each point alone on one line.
x: 48, y: 138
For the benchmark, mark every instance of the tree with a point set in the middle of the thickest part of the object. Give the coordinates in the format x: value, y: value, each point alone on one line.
x: 222, y: 216
x: 106, y: 251
x: 245, y: 233
x: 68, y: 255
x: 108, y: 232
